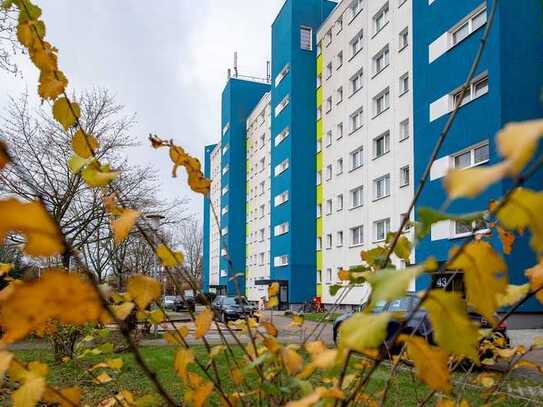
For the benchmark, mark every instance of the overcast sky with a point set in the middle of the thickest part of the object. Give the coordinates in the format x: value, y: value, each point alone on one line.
x: 166, y: 61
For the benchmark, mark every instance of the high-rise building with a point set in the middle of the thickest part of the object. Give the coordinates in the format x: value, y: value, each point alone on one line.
x: 364, y: 122
x: 506, y: 87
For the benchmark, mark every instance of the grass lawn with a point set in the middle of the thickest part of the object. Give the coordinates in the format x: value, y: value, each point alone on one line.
x: 404, y: 392
x: 317, y: 316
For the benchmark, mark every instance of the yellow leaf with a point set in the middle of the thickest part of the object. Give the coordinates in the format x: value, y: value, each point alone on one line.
x: 484, y: 276
x: 514, y: 294
x: 315, y: 347
x: 30, y: 32
x: 103, y: 378
x: 123, y: 224
x: 5, y: 361
x: 123, y: 310
x: 203, y: 322
x: 237, y: 376
x: 270, y: 328
x: 517, y: 142
x: 363, y: 331
x: 523, y: 210
x: 198, y: 183
x: 293, y: 362
x: 84, y: 145
x: 272, y: 302
x: 431, y: 362
x: 43, y: 238
x: 143, y: 290
x: 470, y: 182
x: 52, y: 84
x: 507, y: 238
x: 44, y: 57
x: 403, y: 248
x: 308, y: 400
x: 115, y: 364
x: 57, y: 295
x: 29, y: 393
x: 76, y: 163
x: 4, y: 156
x: 389, y: 284
x: 174, y: 337
x: 69, y: 397
x: 201, y: 394
x: 183, y: 358
x: 297, y: 320
x: 98, y: 176
x: 5, y: 268
x: 486, y: 380
x: 451, y: 403
x: 157, y: 316
x: 38, y: 368
x: 535, y: 276
x: 325, y: 359
x: 447, y: 311
x: 273, y: 289
x: 216, y: 351
x: 168, y: 257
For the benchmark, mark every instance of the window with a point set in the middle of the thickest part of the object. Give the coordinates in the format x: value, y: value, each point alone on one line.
x: 306, y: 38
x: 261, y: 234
x: 339, y: 132
x: 262, y: 140
x: 356, y: 158
x: 225, y: 169
x: 404, y: 129
x: 224, y: 230
x: 329, y: 275
x: 319, y: 177
x: 225, y: 189
x: 281, y: 167
x: 339, y: 166
x: 279, y: 261
x: 478, y: 88
x: 328, y: 104
x: 404, y: 83
x: 472, y: 157
x: 319, y: 210
x: 381, y: 60
x: 380, y: 229
x: 281, y: 229
x: 404, y: 176
x: 339, y: 202
x: 262, y: 210
x: 281, y: 136
x: 280, y: 198
x: 339, y: 93
x: 319, y: 80
x: 356, y: 81
x: 357, y: 235
x: 328, y: 70
x: 339, y: 59
x: 357, y: 196
x: 319, y: 145
x: 473, y: 22
x: 381, y: 187
x: 262, y: 187
x: 224, y: 149
x: 328, y: 172
x: 381, y: 102
x: 261, y: 257
x: 339, y: 238
x: 329, y: 241
x: 281, y: 75
x: 224, y: 210
x: 328, y: 206
x: 381, y: 19
x: 356, y: 7
x: 403, y: 39
x: 319, y: 112
x: 328, y: 38
x: 381, y: 145
x: 225, y: 128
x: 319, y: 276
x: 339, y: 25
x: 328, y: 142
x: 459, y: 229
x: 357, y: 43
x: 262, y: 164
x: 281, y: 106
x: 319, y: 49
x: 319, y: 243
x: 356, y: 120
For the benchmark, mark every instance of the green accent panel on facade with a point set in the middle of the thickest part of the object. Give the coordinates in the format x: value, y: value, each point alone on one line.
x: 319, y: 64
x: 319, y: 194
x: 319, y: 226
x: 319, y: 290
x: 247, y: 230
x: 319, y: 96
x: 319, y: 129
x: 319, y: 260
x: 319, y: 161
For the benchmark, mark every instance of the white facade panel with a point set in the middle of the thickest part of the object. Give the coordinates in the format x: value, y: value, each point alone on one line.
x: 439, y: 168
x: 440, y: 107
x: 214, y: 227
x: 438, y: 47
x: 441, y: 230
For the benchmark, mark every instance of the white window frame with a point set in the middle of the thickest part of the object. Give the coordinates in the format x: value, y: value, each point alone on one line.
x: 329, y: 207
x: 405, y: 176
x: 281, y: 198
x: 360, y: 191
x: 359, y: 230
x: 454, y: 234
x: 306, y: 42
x: 339, y: 58
x: 358, y: 117
x: 280, y: 261
x: 356, y: 7
x: 281, y: 167
x: 339, y: 131
x: 282, y: 105
x: 471, y: 150
x: 339, y: 93
x: 281, y: 229
x: 403, y: 39
x: 339, y: 202
x: 357, y: 43
x: 357, y: 81
x: 469, y: 94
x: 384, y: 14
x: 386, y: 229
x: 339, y: 166
x: 339, y: 238
x: 386, y: 193
x: 379, y: 107
x: 385, y: 137
x: 467, y: 21
x: 404, y: 84
x: 404, y: 130
x: 328, y: 174
x: 357, y: 154
x: 384, y: 53
x: 329, y: 241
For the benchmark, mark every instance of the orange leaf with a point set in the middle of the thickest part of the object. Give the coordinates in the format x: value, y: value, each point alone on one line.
x: 84, y: 145
x: 52, y: 84
x: 4, y: 156
x: 123, y: 224
x: 143, y: 290
x: 203, y: 322
x: 535, y: 275
x: 507, y: 238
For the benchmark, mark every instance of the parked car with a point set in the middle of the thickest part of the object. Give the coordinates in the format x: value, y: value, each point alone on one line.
x: 232, y: 308
x: 168, y: 301
x: 184, y: 304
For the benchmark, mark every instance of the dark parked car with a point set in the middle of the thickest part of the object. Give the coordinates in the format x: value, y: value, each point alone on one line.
x: 232, y: 308
x: 419, y: 324
x: 186, y: 304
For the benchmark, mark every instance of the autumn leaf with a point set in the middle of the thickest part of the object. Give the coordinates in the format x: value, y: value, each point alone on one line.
x: 202, y: 392
x: 103, y: 378
x: 52, y: 84
x: 122, y: 311
x: 270, y: 328
x: 84, y: 145
x: 183, y: 358
x: 514, y: 294
x: 5, y: 268
x: 29, y: 393
x: 57, y: 295
x: 535, y: 276
x: 68, y: 397
x: 447, y: 312
x: 403, y: 248
x: 523, y: 210
x: 30, y: 32
x: 518, y: 142
x: 122, y: 225
x: 293, y: 362
x: 470, y: 182
x: 5, y: 361
x: 96, y: 175
x: 43, y: 237
x: 507, y: 238
x: 168, y: 257
x: 115, y: 364
x: 44, y: 56
x: 431, y: 362
x: 203, y: 323
x: 374, y: 257
x: 429, y: 216
x: 484, y: 276
x: 143, y: 290
x: 273, y: 289
x: 4, y: 156
x: 297, y: 320
x: 272, y: 302
x: 76, y: 163
x: 363, y: 331
x: 389, y: 284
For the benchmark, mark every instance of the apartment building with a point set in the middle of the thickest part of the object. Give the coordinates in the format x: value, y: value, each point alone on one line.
x: 258, y: 199
x: 364, y: 126
x: 506, y: 87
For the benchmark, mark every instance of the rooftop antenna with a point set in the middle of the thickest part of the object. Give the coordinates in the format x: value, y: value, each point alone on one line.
x: 236, y: 64
x: 268, y: 76
x: 228, y: 73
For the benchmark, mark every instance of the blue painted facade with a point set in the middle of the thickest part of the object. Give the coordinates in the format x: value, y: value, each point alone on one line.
x: 513, y: 59
x: 239, y: 98
x: 206, y: 222
x: 299, y: 147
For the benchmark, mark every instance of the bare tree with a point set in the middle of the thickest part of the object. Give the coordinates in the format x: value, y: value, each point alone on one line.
x: 9, y: 45
x: 191, y: 241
